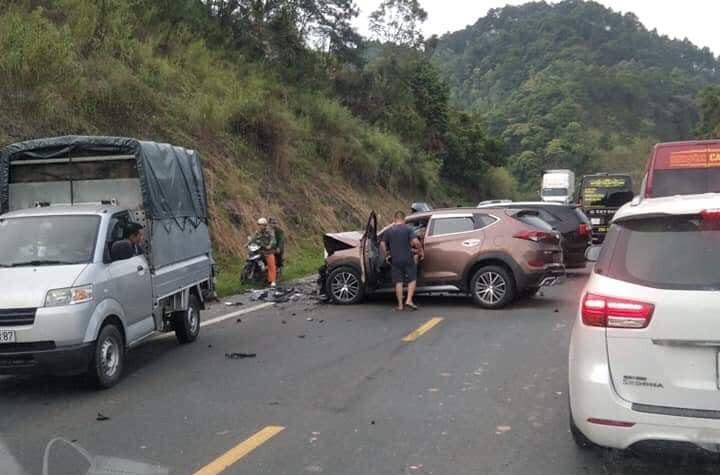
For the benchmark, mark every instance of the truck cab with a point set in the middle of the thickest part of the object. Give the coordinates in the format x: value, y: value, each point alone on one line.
x: 558, y: 186
x: 75, y: 294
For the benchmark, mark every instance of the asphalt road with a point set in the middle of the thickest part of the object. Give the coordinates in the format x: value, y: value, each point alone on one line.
x: 346, y: 393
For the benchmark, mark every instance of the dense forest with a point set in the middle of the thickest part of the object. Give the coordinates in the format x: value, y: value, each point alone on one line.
x: 577, y: 85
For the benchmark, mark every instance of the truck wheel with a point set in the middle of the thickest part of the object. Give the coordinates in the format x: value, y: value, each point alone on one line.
x: 492, y: 287
x: 187, y: 322
x: 345, y: 286
x: 107, y: 362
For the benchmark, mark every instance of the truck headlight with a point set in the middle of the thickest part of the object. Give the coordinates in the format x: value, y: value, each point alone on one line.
x: 71, y: 296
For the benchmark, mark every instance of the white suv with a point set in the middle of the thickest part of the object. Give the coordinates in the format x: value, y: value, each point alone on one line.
x: 645, y: 349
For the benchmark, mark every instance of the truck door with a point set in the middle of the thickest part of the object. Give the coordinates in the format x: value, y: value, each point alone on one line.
x: 130, y: 283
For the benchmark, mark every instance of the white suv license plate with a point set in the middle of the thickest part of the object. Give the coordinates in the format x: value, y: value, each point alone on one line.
x: 595, y: 221
x: 7, y: 336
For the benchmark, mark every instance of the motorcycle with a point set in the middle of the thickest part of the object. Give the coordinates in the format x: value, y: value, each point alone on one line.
x: 255, y: 270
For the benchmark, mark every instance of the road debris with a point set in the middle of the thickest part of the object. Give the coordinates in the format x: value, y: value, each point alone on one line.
x: 239, y: 356
x: 502, y: 429
x: 301, y: 336
x: 101, y: 417
x: 233, y: 304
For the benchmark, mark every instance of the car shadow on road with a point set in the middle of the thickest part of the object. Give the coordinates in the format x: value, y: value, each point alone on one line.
x: 658, y: 460
x: 43, y: 388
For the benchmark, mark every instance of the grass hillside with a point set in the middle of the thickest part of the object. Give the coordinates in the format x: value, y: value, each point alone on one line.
x: 269, y: 149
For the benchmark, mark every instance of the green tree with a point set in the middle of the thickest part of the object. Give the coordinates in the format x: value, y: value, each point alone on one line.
x: 399, y: 22
x: 709, y: 126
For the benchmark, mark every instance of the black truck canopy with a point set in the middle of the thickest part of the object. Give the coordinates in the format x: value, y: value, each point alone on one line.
x: 171, y: 178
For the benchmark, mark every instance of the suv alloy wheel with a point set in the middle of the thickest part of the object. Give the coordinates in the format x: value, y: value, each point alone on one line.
x: 492, y: 287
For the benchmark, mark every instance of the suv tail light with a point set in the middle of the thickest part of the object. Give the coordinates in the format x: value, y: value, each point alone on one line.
x: 610, y: 312
x: 584, y: 230
x: 710, y: 215
x: 537, y: 236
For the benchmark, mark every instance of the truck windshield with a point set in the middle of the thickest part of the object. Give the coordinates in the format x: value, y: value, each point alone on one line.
x: 606, y: 191
x: 555, y: 192
x: 685, y: 182
x: 47, y: 240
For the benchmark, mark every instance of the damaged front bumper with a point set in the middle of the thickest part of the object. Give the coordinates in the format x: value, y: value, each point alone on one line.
x: 322, y: 282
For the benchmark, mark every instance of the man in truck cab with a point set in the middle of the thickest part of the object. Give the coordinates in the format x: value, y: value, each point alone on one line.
x: 134, y: 234
x: 265, y: 238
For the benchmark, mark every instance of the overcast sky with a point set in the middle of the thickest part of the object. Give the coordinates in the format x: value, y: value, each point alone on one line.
x: 697, y: 20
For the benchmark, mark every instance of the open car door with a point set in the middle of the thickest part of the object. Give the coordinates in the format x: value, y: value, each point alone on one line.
x: 372, y: 258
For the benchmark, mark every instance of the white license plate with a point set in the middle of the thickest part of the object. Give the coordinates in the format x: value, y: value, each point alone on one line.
x: 7, y: 336
x: 595, y: 220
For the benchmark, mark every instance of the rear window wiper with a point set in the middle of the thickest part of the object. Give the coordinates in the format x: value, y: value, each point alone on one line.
x: 41, y: 263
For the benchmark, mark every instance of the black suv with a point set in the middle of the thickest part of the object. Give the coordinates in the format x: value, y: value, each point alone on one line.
x: 568, y: 219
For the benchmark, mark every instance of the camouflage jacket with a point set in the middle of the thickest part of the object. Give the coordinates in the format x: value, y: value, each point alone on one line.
x: 265, y: 238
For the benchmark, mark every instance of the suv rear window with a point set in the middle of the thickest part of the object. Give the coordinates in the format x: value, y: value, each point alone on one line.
x: 681, y: 253
x: 459, y: 224
x: 534, y: 221
x: 685, y: 182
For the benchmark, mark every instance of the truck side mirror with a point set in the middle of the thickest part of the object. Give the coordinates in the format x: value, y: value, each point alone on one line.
x: 121, y: 250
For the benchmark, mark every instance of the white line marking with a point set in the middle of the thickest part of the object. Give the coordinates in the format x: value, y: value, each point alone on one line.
x: 244, y: 311
x: 219, y: 319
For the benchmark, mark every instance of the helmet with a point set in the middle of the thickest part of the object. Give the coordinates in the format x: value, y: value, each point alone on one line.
x: 262, y: 221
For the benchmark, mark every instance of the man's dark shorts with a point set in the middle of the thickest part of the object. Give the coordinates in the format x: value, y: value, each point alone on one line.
x: 404, y: 272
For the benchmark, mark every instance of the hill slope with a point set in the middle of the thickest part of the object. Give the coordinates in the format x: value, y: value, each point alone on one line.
x: 575, y: 84
x: 269, y: 148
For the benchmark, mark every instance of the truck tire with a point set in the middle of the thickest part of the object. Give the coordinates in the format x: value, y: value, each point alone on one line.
x: 107, y: 362
x: 345, y: 286
x: 493, y: 287
x: 187, y: 322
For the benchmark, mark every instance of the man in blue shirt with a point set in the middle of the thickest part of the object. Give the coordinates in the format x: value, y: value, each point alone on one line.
x: 402, y: 250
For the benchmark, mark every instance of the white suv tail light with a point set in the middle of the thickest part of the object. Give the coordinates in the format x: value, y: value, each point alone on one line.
x: 611, y: 312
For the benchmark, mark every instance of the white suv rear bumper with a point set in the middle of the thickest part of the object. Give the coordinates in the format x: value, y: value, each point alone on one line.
x: 592, y: 395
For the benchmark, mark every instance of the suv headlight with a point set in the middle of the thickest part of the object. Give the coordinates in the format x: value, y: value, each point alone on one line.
x: 71, y: 296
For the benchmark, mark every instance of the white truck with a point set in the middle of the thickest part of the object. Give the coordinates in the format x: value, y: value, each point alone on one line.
x: 75, y: 294
x: 558, y: 186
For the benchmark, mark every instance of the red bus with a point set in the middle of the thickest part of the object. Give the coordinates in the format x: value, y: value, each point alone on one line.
x: 683, y: 168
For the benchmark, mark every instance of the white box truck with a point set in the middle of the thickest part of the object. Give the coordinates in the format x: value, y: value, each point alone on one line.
x: 558, y: 186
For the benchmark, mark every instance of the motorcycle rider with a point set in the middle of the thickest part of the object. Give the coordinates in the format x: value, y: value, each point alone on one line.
x: 265, y: 238
x: 279, y: 242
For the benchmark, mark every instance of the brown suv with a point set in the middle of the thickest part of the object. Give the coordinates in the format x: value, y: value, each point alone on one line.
x: 494, y: 255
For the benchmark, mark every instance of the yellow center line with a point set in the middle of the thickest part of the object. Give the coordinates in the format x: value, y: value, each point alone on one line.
x: 426, y: 327
x: 239, y: 451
